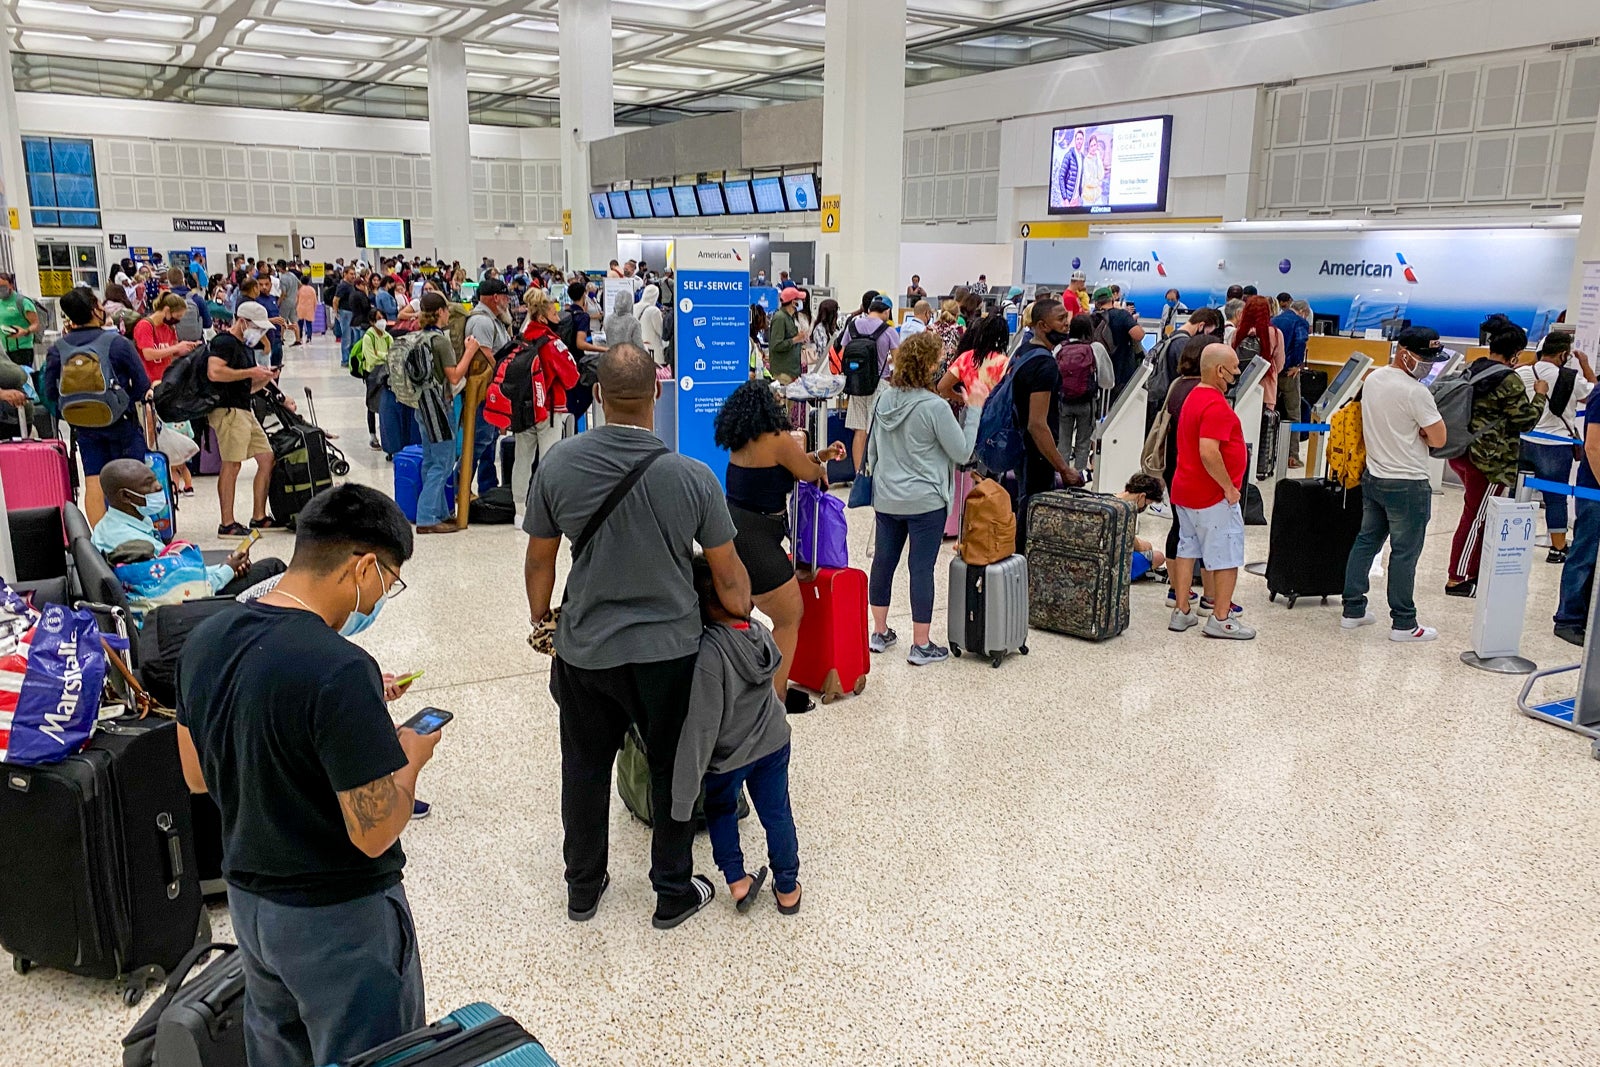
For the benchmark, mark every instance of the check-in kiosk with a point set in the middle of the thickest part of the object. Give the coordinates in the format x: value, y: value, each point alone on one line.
x: 1119, y: 437
x: 1248, y: 403
x: 1343, y: 386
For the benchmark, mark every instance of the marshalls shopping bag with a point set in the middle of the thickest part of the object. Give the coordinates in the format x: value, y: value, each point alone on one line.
x: 60, y: 696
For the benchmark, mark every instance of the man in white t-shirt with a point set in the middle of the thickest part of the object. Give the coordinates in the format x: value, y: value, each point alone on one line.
x: 1399, y: 423
x: 1551, y: 460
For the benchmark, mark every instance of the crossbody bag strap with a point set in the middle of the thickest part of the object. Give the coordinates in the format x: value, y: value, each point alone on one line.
x: 609, y: 504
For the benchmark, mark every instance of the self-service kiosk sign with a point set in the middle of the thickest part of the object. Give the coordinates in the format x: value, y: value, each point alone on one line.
x: 713, y: 339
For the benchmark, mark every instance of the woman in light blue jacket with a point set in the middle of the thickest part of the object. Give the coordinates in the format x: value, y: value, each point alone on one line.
x: 913, y: 449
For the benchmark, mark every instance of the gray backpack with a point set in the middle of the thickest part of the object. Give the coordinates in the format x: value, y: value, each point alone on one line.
x: 189, y: 328
x: 1454, y: 396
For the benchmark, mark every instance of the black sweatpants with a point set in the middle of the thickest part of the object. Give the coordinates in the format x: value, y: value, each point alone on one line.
x: 596, y: 708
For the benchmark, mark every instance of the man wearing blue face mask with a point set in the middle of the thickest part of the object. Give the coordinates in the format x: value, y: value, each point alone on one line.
x: 283, y: 720
x: 134, y: 497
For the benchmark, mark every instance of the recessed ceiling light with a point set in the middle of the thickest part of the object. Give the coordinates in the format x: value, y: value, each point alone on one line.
x: 667, y: 68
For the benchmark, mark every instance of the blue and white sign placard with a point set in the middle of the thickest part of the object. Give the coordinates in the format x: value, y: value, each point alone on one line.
x: 713, y: 339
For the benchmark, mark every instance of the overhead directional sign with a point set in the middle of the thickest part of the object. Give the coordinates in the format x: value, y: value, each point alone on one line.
x: 830, y: 214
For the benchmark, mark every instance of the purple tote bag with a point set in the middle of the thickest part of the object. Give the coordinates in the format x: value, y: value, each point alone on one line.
x: 820, y: 534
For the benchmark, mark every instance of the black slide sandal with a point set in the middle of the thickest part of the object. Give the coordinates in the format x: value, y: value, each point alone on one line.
x: 746, y: 902
x: 789, y: 909
x: 708, y: 892
x: 584, y: 916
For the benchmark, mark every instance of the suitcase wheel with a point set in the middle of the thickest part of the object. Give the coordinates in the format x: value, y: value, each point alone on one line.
x: 20, y: 965
x: 1272, y: 598
x: 1324, y: 601
x: 340, y: 469
x: 1291, y: 598
x: 131, y: 995
x: 861, y: 686
x: 996, y: 658
x: 955, y: 650
x: 1023, y: 650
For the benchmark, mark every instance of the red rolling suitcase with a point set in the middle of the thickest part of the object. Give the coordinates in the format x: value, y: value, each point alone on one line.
x: 831, y: 657
x: 36, y: 474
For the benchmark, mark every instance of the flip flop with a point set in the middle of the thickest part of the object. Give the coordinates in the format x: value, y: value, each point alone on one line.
x: 789, y: 909
x: 746, y: 902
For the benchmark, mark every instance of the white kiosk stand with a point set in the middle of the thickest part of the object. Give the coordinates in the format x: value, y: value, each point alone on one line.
x: 1248, y: 402
x: 1508, y: 531
x: 1119, y: 437
x: 1344, y: 386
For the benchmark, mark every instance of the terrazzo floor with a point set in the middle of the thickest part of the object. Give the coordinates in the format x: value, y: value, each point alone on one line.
x: 1316, y: 848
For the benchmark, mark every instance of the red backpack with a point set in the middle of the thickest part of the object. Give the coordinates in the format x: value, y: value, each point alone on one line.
x: 518, y: 397
x: 1076, y: 363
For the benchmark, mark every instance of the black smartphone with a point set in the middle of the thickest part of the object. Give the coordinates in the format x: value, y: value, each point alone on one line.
x: 427, y: 720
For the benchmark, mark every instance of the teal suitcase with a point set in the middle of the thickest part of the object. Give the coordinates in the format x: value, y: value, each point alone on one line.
x: 474, y: 1036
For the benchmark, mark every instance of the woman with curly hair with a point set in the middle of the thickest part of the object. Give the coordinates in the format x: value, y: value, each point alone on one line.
x: 764, y: 463
x: 912, y: 452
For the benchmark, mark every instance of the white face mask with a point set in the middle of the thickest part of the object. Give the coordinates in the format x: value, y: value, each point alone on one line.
x: 253, y: 336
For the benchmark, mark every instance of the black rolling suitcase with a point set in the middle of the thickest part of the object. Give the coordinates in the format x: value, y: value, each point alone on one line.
x: 1079, y: 549
x: 300, y: 470
x: 195, y: 1023
x: 1314, y: 525
x: 98, y: 875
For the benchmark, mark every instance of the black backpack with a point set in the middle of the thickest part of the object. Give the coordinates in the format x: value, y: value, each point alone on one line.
x: 581, y: 396
x: 186, y: 391
x: 859, y: 361
x: 1561, y: 392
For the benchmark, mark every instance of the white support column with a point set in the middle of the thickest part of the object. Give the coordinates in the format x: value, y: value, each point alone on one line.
x: 587, y: 114
x: 13, y: 182
x: 863, y: 145
x: 1588, y: 234
x: 450, y: 145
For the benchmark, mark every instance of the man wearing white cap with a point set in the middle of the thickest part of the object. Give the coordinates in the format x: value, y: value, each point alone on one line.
x: 237, y: 374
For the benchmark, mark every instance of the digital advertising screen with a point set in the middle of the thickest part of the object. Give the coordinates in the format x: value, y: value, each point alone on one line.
x: 683, y: 199
x: 600, y: 205
x: 639, y: 203
x: 710, y: 194
x: 661, y: 203
x: 1110, y: 167
x: 737, y: 194
x: 383, y: 233
x: 800, y: 190
x: 768, y: 194
x: 619, y: 205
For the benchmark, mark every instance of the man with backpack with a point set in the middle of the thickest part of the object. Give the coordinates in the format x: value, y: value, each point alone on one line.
x: 1203, y: 327
x: 1570, y: 383
x: 1120, y: 333
x: 1399, y: 422
x: 865, y: 350
x: 93, y: 377
x: 1085, y: 368
x: 1486, y: 412
x: 490, y: 326
x: 575, y: 328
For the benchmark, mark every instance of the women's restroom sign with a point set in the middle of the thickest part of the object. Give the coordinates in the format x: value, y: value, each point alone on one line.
x: 713, y: 339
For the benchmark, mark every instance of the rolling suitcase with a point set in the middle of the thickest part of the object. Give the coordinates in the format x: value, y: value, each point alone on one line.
x: 1314, y: 526
x: 209, y: 461
x: 474, y: 1036
x: 840, y: 471
x: 195, y: 1023
x: 300, y: 470
x: 989, y: 608
x: 166, y: 523
x: 1313, y: 383
x: 1080, y: 548
x: 832, y: 658
x: 99, y: 872
x: 408, y: 482
x: 962, y: 486
x: 397, y: 424
x: 1267, y: 457
x: 36, y: 474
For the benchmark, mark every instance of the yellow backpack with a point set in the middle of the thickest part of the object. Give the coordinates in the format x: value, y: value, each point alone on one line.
x: 1347, y: 448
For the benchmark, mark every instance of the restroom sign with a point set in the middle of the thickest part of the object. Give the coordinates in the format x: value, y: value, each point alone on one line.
x: 830, y: 214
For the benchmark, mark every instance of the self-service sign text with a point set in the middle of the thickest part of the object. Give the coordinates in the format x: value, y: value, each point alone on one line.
x: 713, y: 339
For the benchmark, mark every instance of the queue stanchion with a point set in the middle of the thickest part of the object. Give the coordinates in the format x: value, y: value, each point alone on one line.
x: 1508, y: 530
x: 1579, y: 713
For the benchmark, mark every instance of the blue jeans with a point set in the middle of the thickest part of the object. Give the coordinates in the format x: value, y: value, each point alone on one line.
x: 1577, y: 574
x: 1553, y: 463
x: 926, y: 532
x: 438, y: 467
x: 485, y: 442
x: 347, y: 339
x: 768, y: 781
x: 1397, y: 509
x: 324, y: 984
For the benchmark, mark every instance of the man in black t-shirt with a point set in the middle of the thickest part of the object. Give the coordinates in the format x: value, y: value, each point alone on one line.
x: 234, y: 368
x: 1034, y: 389
x: 287, y: 720
x: 1127, y: 336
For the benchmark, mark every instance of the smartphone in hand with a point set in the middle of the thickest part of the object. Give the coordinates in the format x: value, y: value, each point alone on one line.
x: 427, y: 721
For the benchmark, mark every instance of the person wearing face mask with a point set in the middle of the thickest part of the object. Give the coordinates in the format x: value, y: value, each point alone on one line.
x: 133, y: 498
x: 124, y: 437
x: 369, y: 353
x: 234, y: 368
x: 19, y: 322
x: 1035, y: 389
x: 156, y: 336
x: 558, y: 370
x: 315, y: 785
x: 1399, y: 423
x: 1570, y: 380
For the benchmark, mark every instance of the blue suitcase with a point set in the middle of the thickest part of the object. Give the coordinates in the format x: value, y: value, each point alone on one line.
x: 397, y: 424
x: 408, y: 482
x: 166, y: 523
x: 474, y: 1036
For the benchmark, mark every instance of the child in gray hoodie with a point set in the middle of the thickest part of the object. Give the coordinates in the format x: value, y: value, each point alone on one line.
x: 735, y: 736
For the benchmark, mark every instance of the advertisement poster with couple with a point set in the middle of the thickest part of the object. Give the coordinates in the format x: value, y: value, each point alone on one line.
x: 1114, y: 166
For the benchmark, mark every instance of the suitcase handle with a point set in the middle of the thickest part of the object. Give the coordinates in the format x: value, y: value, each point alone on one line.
x: 174, y: 841
x: 441, y: 1029
x: 145, y: 1028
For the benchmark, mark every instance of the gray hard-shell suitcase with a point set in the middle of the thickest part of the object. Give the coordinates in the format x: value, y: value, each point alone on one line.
x: 989, y: 608
x: 1079, y: 549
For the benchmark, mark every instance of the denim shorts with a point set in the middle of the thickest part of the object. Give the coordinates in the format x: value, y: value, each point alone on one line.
x: 1214, y: 535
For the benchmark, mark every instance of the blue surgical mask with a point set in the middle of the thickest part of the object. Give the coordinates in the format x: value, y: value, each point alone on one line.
x: 154, y: 504
x: 359, y: 620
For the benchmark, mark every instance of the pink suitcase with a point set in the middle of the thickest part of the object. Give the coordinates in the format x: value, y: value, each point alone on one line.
x: 35, y: 474
x: 963, y: 486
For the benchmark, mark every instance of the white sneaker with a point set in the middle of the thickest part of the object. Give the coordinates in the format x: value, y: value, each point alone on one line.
x: 1182, y: 621
x: 1366, y: 620
x: 1159, y: 511
x: 1415, y: 635
x: 1231, y: 630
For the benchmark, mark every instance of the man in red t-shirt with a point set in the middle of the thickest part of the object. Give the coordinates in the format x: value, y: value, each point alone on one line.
x: 1206, y: 487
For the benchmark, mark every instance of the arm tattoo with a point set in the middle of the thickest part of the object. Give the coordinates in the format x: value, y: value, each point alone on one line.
x: 370, y: 806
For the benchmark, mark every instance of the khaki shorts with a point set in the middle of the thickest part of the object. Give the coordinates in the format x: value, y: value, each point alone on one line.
x: 239, y: 435
x: 859, y: 415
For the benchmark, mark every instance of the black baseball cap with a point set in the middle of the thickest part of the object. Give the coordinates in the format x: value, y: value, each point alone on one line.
x: 1422, y: 343
x: 492, y: 287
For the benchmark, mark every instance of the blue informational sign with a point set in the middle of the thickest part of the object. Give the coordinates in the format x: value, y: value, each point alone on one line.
x: 766, y: 296
x: 713, y: 339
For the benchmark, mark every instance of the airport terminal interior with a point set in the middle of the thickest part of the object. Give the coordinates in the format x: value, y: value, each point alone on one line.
x: 1127, y: 842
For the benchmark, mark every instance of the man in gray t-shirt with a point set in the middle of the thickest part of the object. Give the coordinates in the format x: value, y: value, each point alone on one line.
x: 629, y: 632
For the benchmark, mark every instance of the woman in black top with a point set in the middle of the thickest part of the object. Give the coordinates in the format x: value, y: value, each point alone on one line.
x: 765, y: 462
